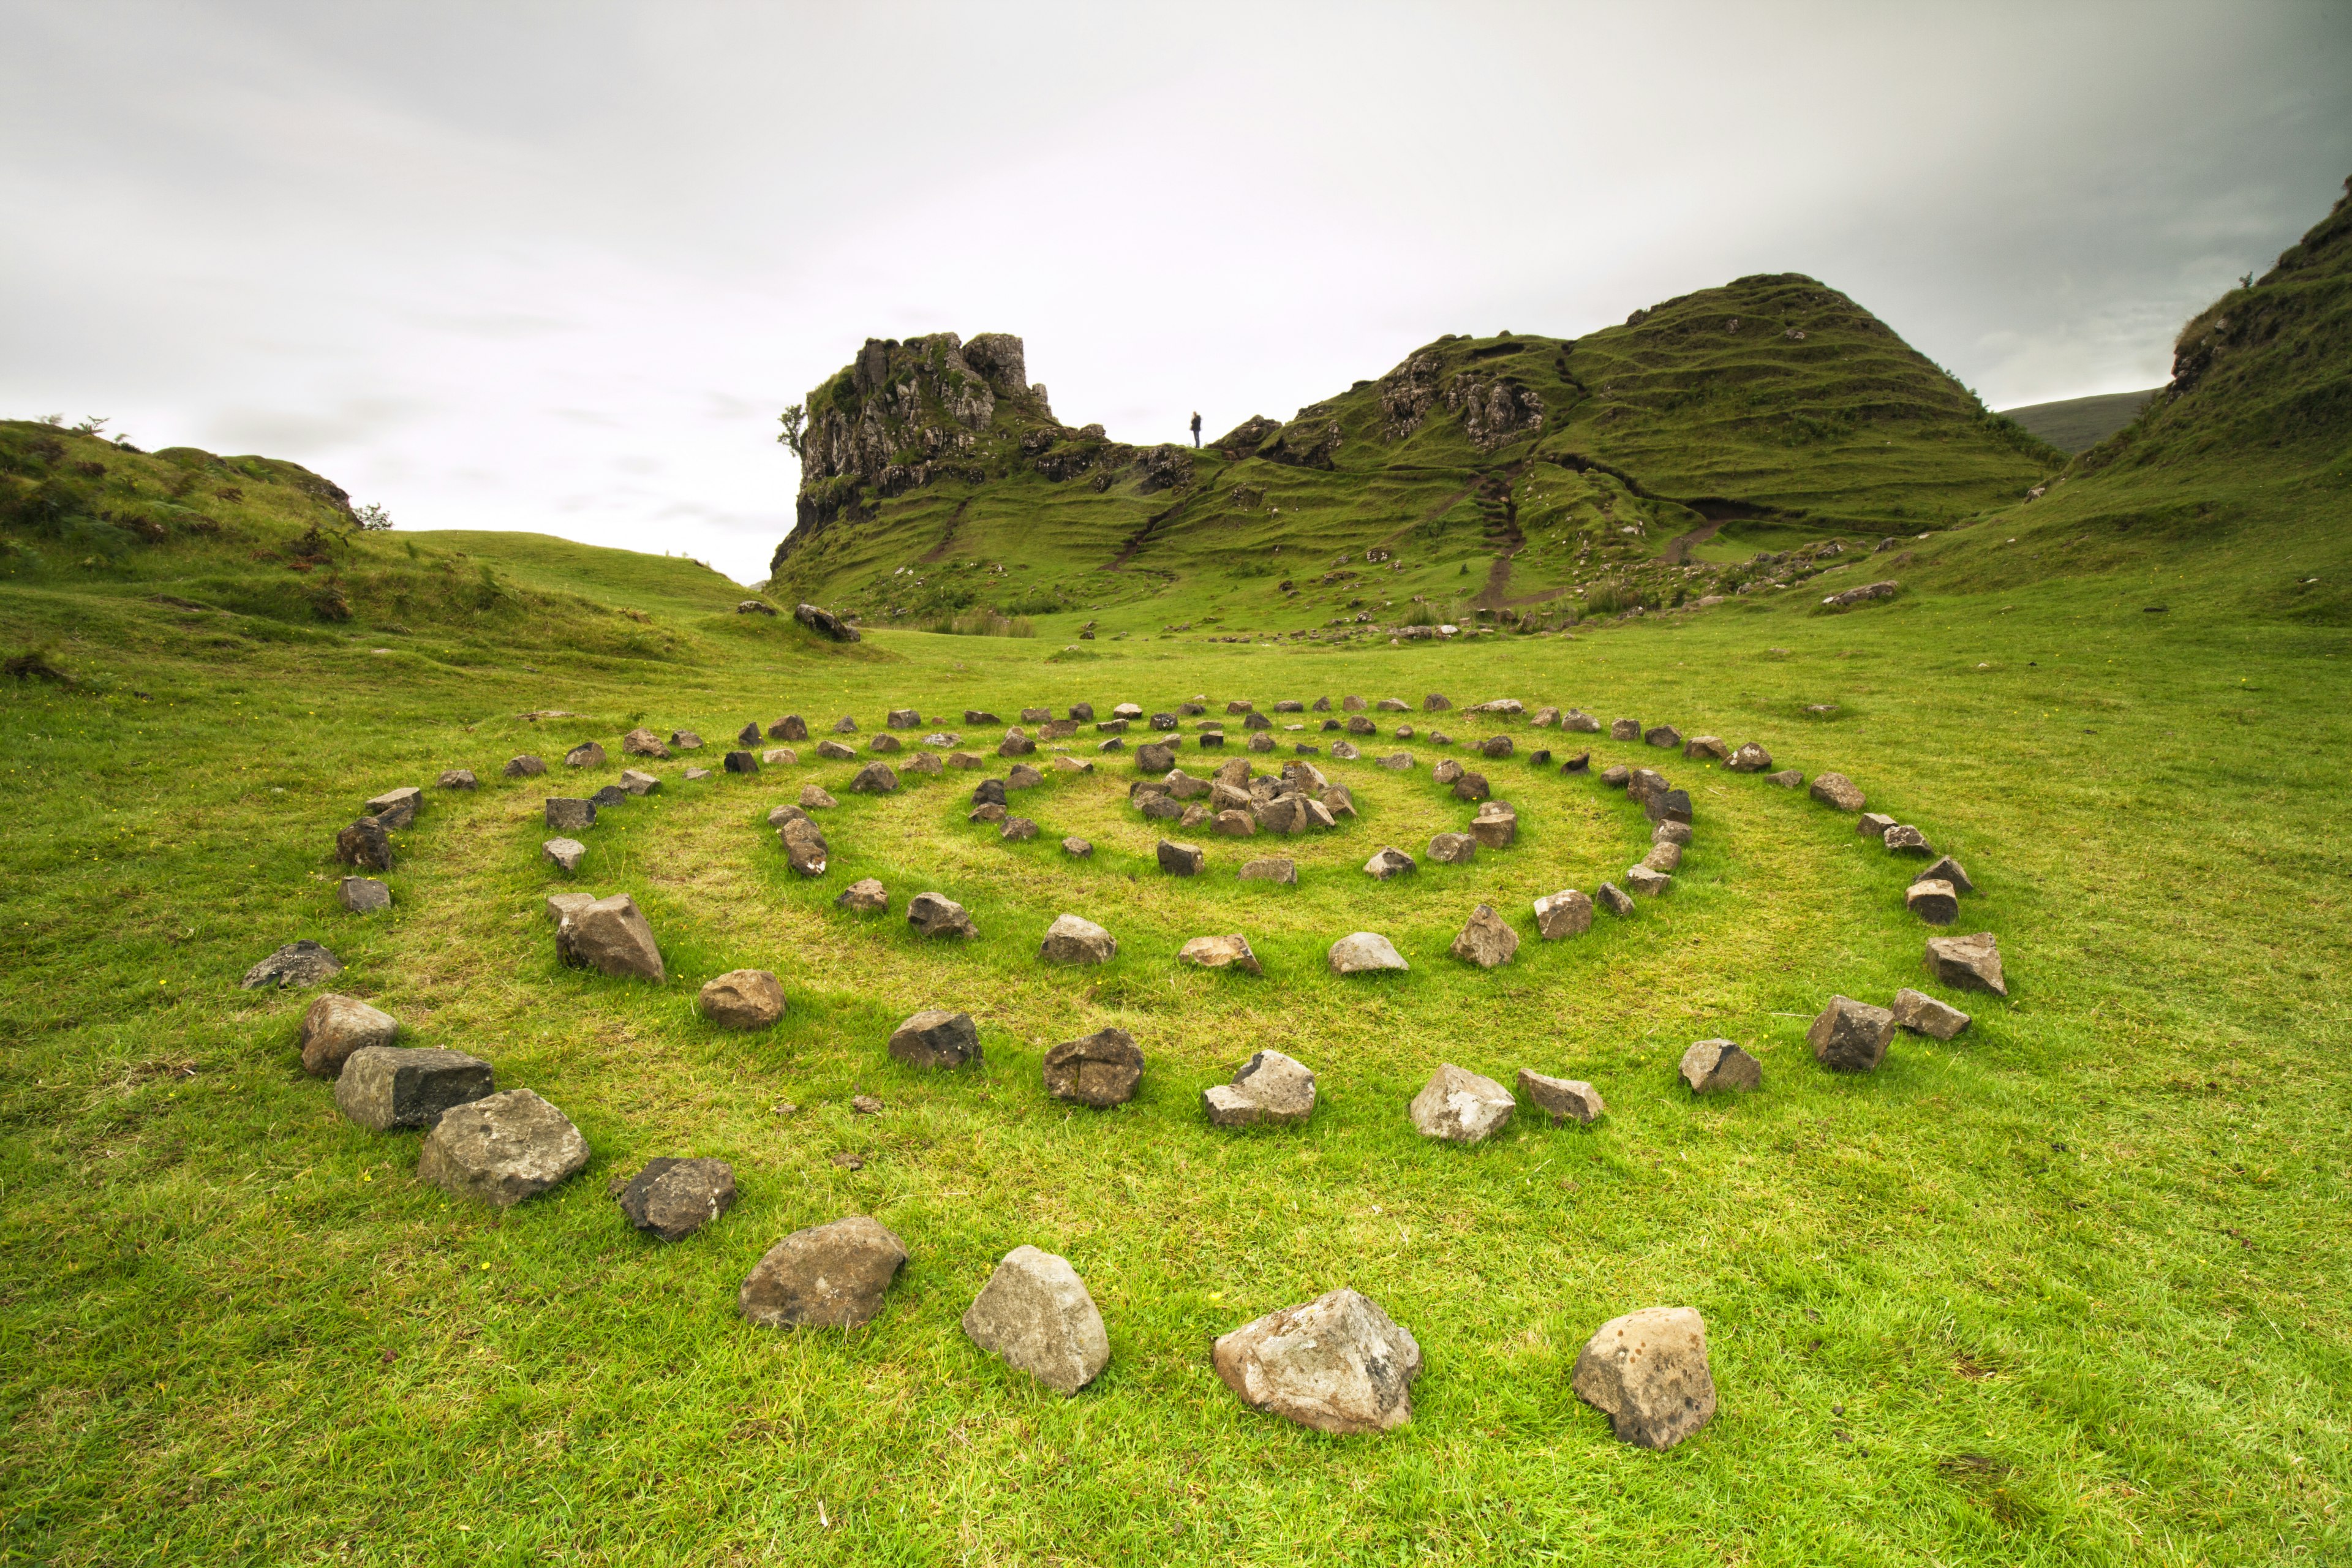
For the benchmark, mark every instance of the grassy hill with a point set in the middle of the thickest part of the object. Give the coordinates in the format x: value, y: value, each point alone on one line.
x: 2076, y: 422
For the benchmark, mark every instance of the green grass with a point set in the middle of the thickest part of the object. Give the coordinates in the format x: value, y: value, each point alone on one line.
x: 2077, y: 423
x: 2076, y: 1279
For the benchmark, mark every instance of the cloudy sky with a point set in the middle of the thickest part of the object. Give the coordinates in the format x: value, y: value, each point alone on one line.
x: 558, y: 267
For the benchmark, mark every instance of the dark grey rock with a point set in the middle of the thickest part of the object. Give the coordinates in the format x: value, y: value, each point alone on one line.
x: 826, y: 1277
x: 296, y: 966
x: 384, y: 1087
x: 501, y: 1149
x: 673, y: 1198
x: 936, y: 1038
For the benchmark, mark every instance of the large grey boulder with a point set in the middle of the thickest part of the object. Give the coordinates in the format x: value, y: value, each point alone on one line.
x: 824, y: 624
x: 1563, y: 914
x: 1565, y: 1098
x: 1937, y: 903
x: 1450, y: 849
x: 564, y: 854
x: 1578, y: 719
x: 1180, y: 859
x: 1667, y: 855
x: 865, y: 896
x: 1851, y: 1036
x: 935, y: 914
x: 874, y: 778
x: 1648, y: 1373
x: 362, y: 895
x: 1712, y: 1065
x: 502, y: 1149
x: 611, y: 936
x: 673, y: 1198
x: 1389, y: 862
x: 804, y: 846
x: 1460, y: 1107
x: 366, y: 845
x: 560, y: 904
x: 1036, y: 1315
x: 586, y: 754
x: 1487, y: 940
x: 936, y: 1038
x: 1838, y: 791
x: 1102, y: 1070
x: 1270, y: 1087
x: 384, y: 1087
x: 1751, y: 758
x: 1337, y: 1363
x: 1948, y: 870
x: 1626, y: 730
x: 1221, y: 952
x: 1270, y: 869
x: 1923, y: 1015
x: 1364, y: 952
x: 1495, y: 825
x: 335, y: 1025
x: 1966, y: 963
x: 826, y: 1277
x: 296, y: 966
x: 569, y: 814
x: 524, y: 767
x: 742, y: 999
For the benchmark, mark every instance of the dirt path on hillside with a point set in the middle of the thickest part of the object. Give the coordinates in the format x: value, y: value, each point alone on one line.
x: 938, y: 552
x: 1678, y: 548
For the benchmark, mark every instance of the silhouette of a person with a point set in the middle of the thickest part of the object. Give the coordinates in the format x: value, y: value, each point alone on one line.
x: 1196, y: 427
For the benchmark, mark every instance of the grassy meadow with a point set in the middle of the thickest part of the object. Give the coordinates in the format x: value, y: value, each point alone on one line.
x: 2071, y: 1289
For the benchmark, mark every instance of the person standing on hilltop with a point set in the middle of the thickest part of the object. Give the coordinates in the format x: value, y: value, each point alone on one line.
x: 1196, y: 427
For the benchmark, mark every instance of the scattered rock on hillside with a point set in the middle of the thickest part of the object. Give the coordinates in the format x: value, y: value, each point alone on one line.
x: 612, y: 937
x: 1850, y: 1036
x: 1643, y: 881
x: 1496, y: 826
x: 1711, y: 1066
x: 1667, y: 855
x: 1344, y: 753
x: 608, y: 797
x: 826, y: 1277
x: 458, y: 778
x: 1221, y: 952
x: 686, y: 740
x: 889, y: 746
x: 1923, y: 1015
x: 643, y: 743
x: 1078, y: 848
x: 865, y: 896
x: 1563, y: 914
x: 1101, y: 1069
x: 1580, y: 763
x: 295, y: 966
x: 1495, y: 746
x: 740, y: 762
x: 1947, y: 869
x: 1936, y: 903
x: 1662, y: 735
x: 742, y: 999
x: 1450, y: 849
x: 1671, y: 833
x: 992, y: 811
x: 673, y: 1198
x: 1789, y: 778
x: 384, y: 1087
x: 1707, y: 749
x: 1036, y: 1315
x: 1487, y: 940
x: 1397, y: 761
x: 936, y: 1038
x: 935, y: 914
x: 1838, y: 791
x: 1364, y: 952
x: 586, y: 754
x: 1470, y: 786
x: 559, y: 905
x: 874, y: 778
x: 1270, y: 869
x: 1648, y: 1373
x: 1546, y: 718
x: 525, y: 766
x: 1460, y: 1106
x: 694, y: 775
x: 1873, y: 825
x: 749, y: 735
x: 1612, y: 899
x: 1181, y: 859
x: 1564, y: 1099
x: 824, y: 624
x: 396, y: 808
x: 791, y: 727
x: 815, y: 799
x: 1389, y: 862
x: 1231, y: 824
x: 1862, y: 594
x: 1072, y: 938
x: 502, y: 1149
x: 362, y: 895
x: 335, y: 1025
x: 1578, y: 719
x: 1021, y: 775
x: 1966, y: 963
x: 1270, y: 1087
x: 1751, y: 758
x: 805, y: 847
x: 1905, y: 839
x: 637, y: 783
x: 366, y: 845
x: 1155, y: 757
x: 834, y: 752
x: 1336, y: 1364
x: 1668, y: 805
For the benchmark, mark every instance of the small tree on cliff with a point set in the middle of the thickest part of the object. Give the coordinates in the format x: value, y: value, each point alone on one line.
x: 795, y: 420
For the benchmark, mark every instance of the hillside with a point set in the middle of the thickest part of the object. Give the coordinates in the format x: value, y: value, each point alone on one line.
x: 1505, y: 473
x: 2074, y: 424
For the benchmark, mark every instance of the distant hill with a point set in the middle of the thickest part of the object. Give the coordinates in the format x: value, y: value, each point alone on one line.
x: 937, y: 477
x: 2076, y: 422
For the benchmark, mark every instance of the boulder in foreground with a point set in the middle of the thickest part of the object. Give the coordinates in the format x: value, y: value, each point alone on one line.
x: 1851, y: 1036
x: 612, y: 937
x: 826, y: 1277
x: 674, y: 1198
x: 1460, y: 1106
x: 502, y: 1150
x: 742, y: 999
x: 384, y: 1087
x: 1923, y: 1015
x: 1336, y: 1363
x: 1036, y: 1315
x: 1072, y: 938
x: 1363, y: 953
x: 1648, y: 1373
x: 936, y: 1038
x: 1711, y: 1066
x: 296, y: 965
x: 1966, y: 963
x: 1564, y: 1099
x: 336, y: 1026
x: 1101, y: 1069
x: 1270, y: 1087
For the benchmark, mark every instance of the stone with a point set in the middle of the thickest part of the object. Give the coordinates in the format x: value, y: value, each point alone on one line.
x: 1181, y: 859
x: 1838, y: 791
x: 1665, y: 857
x: 1446, y: 771
x: 1487, y: 940
x: 1101, y: 1070
x: 458, y: 778
x: 1645, y: 784
x: 1873, y: 825
x: 1626, y: 730
x: 559, y: 905
x: 742, y: 999
x: 1082, y: 712
x: 1184, y: 786
x: 1321, y: 816
x: 693, y: 774
x: 1195, y: 816
x: 979, y: 716
x: 643, y: 742
x: 1707, y: 748
x: 903, y: 719
x: 637, y: 783
x: 1612, y: 897
x: 1127, y: 711
x: 335, y: 1025
x: 1563, y: 914
x: 1015, y: 744
x: 886, y: 745
x: 1496, y: 826
x: 501, y: 1149
x: 1035, y: 715
x: 1450, y: 849
x: 1284, y: 813
x: 384, y: 1087
x: 1905, y: 839
x: 1166, y: 722
x: 1546, y: 718
x: 826, y: 1277
x: 1643, y: 881
x: 740, y: 762
x: 1850, y: 1036
x: 1036, y: 1316
x: 779, y: 816
x: 1460, y: 1107
x: 804, y: 848
x: 1470, y: 786
x: 1662, y: 735
x: 1231, y: 824
x: 935, y: 914
x: 1966, y: 963
x: 1155, y: 756
x: 1389, y: 862
x: 866, y: 895
x: 845, y: 725
x: 791, y: 727
x: 1113, y: 745
x: 988, y: 791
x: 1257, y: 722
x: 1564, y: 1099
x: 1351, y: 704
x: 834, y: 752
x: 1076, y: 848
x: 610, y: 936
x: 611, y: 796
x: 1493, y: 746
x: 586, y: 754
x: 1787, y: 778
x: 396, y: 808
x: 936, y: 1038
x: 1064, y: 763
x: 815, y: 799
x: 524, y: 767
x: 1751, y: 758
x: 1361, y: 725
x: 1647, y: 1372
x: 964, y: 760
x: 1221, y: 952
x: 1578, y: 719
x: 1616, y: 775
x: 1715, y: 1065
x: 1668, y: 805
x: 1923, y: 1015
x: 362, y: 895
x: 296, y: 966
x: 1270, y: 1087
x: 875, y: 778
x: 1937, y: 903
x: 686, y: 740
x: 1947, y: 869
x: 673, y: 1198
x: 1364, y: 952
x: 1671, y: 833
x: 1336, y: 1364
x: 1021, y: 775
x: 1862, y: 594
x: 1270, y: 869
x: 366, y: 845
x: 1072, y: 938
x: 1160, y: 808
x: 1580, y: 763
x: 1436, y: 703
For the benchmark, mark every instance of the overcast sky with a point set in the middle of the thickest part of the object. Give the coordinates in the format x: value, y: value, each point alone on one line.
x: 559, y: 267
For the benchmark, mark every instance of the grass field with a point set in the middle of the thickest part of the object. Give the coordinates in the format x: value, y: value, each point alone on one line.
x: 2072, y: 1288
